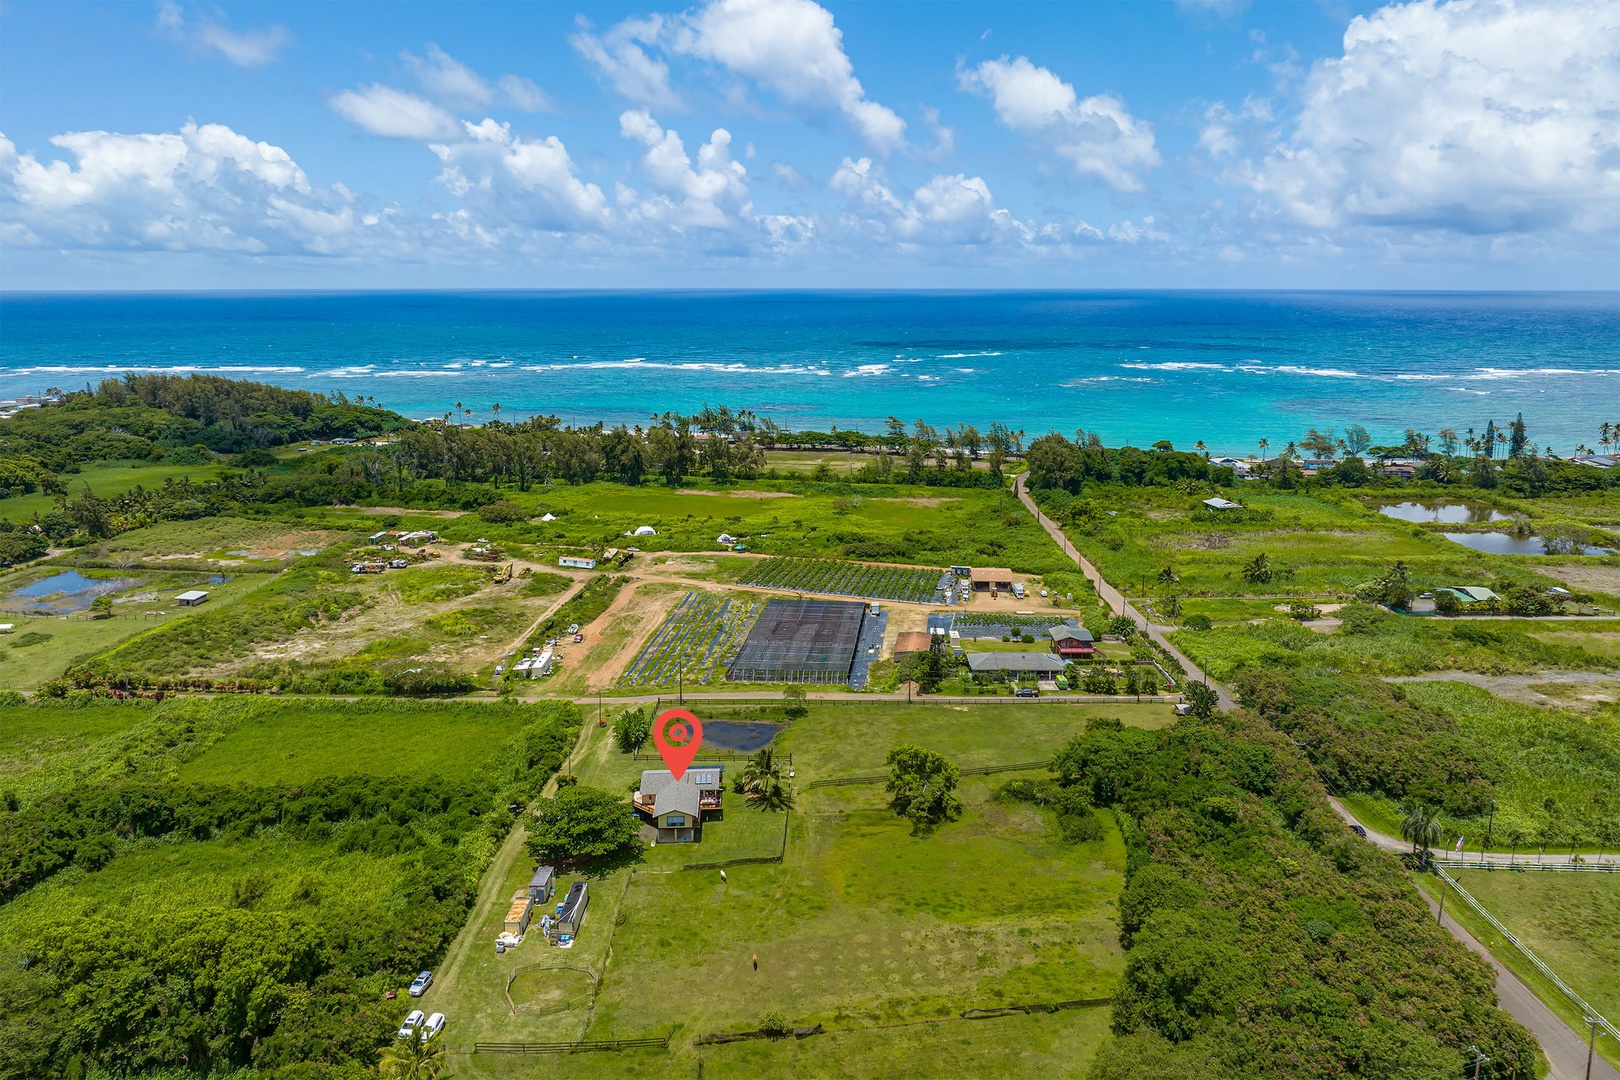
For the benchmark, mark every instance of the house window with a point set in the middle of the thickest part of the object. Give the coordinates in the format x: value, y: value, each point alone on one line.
x: 674, y: 821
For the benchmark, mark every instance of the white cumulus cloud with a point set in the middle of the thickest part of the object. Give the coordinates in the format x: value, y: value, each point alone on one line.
x: 707, y: 195
x: 530, y: 182
x: 956, y: 209
x: 1480, y: 116
x: 1097, y: 135
x: 395, y: 114
x: 203, y: 188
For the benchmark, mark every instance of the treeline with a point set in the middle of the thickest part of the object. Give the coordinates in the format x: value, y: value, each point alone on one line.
x: 1059, y: 465
x: 164, y: 417
x: 1264, y: 940
x: 290, y: 987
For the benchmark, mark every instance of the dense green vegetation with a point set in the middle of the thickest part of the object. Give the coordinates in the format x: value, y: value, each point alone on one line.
x: 249, y: 910
x: 1264, y: 939
x: 1550, y: 771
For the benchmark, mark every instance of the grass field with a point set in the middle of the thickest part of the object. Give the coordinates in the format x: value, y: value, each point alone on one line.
x: 862, y: 924
x: 79, y: 637
x: 924, y: 526
x: 1319, y: 543
x: 294, y: 741
x: 1571, y: 921
x: 106, y: 479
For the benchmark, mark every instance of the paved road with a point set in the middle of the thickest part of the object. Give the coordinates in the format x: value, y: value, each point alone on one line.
x: 1393, y: 843
x: 1565, y: 1050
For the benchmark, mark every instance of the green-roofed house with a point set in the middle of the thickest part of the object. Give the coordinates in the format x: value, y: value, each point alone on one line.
x: 1471, y: 594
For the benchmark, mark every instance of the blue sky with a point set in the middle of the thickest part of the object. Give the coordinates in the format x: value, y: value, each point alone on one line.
x: 782, y: 143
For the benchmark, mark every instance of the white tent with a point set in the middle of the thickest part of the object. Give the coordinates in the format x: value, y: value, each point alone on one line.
x: 548, y: 517
x: 642, y: 530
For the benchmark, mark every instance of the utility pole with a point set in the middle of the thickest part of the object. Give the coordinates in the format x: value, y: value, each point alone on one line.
x: 1480, y: 1060
x: 1490, y: 822
x: 1591, y: 1042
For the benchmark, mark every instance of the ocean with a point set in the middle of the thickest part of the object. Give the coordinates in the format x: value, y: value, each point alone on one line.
x: 1225, y: 368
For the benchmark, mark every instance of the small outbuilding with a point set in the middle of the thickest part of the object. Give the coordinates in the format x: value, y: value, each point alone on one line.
x: 191, y: 598
x: 571, y: 912
x: 1222, y: 504
x: 991, y: 577
x: 517, y: 916
x: 912, y: 641
x: 576, y: 562
x: 543, y: 884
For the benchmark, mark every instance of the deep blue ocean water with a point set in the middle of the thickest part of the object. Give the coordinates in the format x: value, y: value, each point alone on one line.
x: 1227, y: 368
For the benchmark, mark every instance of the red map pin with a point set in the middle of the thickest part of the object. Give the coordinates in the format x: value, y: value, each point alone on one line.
x: 677, y: 734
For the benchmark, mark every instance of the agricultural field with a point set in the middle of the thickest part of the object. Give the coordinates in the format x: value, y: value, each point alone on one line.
x: 1570, y: 920
x: 277, y: 855
x: 833, y: 578
x: 887, y: 928
x: 696, y: 642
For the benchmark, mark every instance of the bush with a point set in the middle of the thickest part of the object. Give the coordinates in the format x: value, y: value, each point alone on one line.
x: 774, y: 1024
x: 500, y: 512
x: 1197, y: 622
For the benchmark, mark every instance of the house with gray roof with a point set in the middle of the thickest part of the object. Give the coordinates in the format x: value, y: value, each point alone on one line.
x: 1013, y: 665
x: 675, y: 808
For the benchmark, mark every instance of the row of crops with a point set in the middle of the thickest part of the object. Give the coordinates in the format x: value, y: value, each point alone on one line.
x: 835, y: 578
x: 701, y: 635
x: 990, y: 625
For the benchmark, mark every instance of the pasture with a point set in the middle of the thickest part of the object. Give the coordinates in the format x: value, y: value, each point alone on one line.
x: 862, y: 925
x: 1571, y: 921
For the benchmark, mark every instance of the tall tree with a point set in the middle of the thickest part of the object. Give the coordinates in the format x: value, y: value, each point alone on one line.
x: 1519, y: 437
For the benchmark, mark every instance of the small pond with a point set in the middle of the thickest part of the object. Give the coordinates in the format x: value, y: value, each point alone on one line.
x: 1501, y: 543
x: 65, y: 593
x: 1443, y: 513
x: 733, y: 735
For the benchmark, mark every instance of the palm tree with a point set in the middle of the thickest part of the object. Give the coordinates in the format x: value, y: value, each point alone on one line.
x: 1421, y: 827
x: 1265, y: 444
x: 1168, y: 576
x: 1201, y: 448
x: 416, y: 1058
x: 1515, y: 837
x: 763, y: 784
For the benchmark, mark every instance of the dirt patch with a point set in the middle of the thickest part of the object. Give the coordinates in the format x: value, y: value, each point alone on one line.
x: 1556, y: 689
x: 385, y: 511
x: 920, y: 500
x: 1600, y: 579
x: 288, y: 544
x: 616, y: 636
x: 740, y: 494
x: 1211, y: 541
x: 1326, y: 609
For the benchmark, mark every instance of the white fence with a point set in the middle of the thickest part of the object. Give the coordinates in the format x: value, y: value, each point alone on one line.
x: 1540, y: 965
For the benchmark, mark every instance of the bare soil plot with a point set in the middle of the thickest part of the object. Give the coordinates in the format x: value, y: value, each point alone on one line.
x: 742, y: 494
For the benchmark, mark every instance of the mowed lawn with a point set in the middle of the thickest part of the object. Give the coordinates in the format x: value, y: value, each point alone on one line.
x: 1571, y: 921
x: 293, y: 741
x: 861, y: 925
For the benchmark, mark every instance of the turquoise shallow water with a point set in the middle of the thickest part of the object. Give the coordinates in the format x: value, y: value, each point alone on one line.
x: 1227, y: 368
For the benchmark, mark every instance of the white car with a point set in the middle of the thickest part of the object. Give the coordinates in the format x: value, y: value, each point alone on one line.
x: 413, y: 1020
x: 434, y: 1025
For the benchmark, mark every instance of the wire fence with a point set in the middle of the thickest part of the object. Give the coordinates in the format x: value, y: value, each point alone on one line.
x: 1535, y: 961
x: 880, y: 778
x: 580, y: 1046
